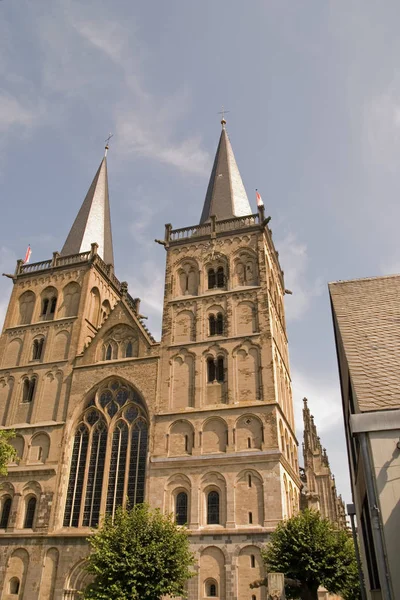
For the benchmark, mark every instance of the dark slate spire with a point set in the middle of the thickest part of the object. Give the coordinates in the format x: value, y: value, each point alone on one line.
x: 226, y: 196
x: 93, y: 223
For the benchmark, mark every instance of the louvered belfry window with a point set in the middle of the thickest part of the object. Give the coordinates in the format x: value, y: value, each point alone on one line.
x: 109, y: 454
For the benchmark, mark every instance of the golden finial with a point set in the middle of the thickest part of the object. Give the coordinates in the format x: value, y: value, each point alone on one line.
x: 107, y: 146
x: 223, y: 113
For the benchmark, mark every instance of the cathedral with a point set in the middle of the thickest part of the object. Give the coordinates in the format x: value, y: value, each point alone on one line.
x: 199, y: 424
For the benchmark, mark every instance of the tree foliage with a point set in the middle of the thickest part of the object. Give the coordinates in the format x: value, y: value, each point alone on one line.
x: 310, y: 550
x: 140, y: 554
x: 7, y: 451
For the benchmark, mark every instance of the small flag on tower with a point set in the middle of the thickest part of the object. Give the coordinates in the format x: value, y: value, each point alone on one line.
x: 27, y: 255
x: 259, y: 199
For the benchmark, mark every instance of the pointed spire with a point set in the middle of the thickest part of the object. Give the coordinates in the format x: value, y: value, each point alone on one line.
x: 93, y: 223
x: 226, y: 196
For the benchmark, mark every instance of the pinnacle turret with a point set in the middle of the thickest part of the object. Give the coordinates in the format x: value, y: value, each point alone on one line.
x: 226, y: 196
x: 93, y: 222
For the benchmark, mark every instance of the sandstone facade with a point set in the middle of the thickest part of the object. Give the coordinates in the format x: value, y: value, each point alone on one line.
x: 200, y: 424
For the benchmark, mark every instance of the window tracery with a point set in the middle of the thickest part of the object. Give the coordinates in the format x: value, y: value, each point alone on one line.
x: 120, y: 342
x: 114, y: 418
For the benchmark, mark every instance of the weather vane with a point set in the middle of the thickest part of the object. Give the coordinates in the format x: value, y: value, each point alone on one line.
x: 107, y: 142
x: 223, y: 112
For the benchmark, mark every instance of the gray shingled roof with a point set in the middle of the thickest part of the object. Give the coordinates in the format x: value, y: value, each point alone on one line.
x: 368, y: 317
x: 226, y: 196
x: 93, y: 223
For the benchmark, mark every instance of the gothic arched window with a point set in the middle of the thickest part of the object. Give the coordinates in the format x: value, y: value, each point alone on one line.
x: 5, y: 512
x: 30, y: 513
x: 181, y: 508
x: 109, y: 352
x: 115, y: 415
x: 129, y: 350
x: 94, y: 484
x: 77, y: 473
x: 213, y: 508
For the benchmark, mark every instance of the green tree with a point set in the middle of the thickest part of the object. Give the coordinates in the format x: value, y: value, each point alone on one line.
x: 141, y: 554
x: 7, y: 452
x: 311, y: 552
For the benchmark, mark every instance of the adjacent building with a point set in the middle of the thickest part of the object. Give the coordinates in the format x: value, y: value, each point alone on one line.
x: 200, y: 423
x: 319, y: 487
x: 366, y: 318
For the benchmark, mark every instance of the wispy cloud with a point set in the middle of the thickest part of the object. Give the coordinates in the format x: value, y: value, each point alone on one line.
x: 382, y: 126
x: 145, y: 124
x: 294, y: 260
x: 13, y: 113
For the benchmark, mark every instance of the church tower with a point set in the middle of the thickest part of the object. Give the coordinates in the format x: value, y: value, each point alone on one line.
x: 74, y: 354
x: 200, y: 424
x: 225, y: 452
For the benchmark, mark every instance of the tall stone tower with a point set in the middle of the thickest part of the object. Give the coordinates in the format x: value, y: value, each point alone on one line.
x: 200, y: 424
x: 225, y: 452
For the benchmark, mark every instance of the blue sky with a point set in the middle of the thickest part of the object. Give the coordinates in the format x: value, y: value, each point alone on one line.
x: 313, y: 90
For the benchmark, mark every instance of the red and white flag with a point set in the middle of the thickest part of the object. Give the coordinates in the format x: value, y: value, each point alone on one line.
x: 27, y: 255
x: 259, y: 199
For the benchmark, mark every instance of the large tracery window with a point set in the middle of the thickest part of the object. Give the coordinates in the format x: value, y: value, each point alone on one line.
x: 109, y: 453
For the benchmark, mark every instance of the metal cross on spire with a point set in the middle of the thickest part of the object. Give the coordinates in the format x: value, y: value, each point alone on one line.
x: 107, y: 143
x: 223, y: 113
